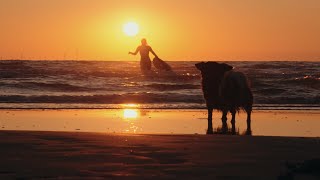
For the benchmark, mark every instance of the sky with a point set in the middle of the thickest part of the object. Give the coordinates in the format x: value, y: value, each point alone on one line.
x: 176, y: 29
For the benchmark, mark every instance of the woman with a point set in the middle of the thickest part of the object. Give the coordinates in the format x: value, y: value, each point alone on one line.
x: 144, y: 49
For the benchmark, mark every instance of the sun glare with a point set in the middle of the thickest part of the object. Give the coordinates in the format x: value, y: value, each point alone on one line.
x: 131, y: 29
x: 130, y: 113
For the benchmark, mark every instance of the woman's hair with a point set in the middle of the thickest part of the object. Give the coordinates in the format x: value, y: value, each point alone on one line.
x: 144, y: 41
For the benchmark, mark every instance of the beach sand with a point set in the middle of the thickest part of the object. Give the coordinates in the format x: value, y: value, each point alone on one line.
x: 81, y: 155
x: 145, y: 144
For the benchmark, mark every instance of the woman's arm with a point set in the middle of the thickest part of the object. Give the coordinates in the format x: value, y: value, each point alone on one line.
x: 136, y: 52
x: 151, y: 50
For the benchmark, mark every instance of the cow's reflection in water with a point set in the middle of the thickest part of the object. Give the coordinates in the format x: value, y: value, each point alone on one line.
x: 225, y: 129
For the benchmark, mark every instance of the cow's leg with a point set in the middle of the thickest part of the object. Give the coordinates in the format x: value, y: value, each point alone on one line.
x: 210, y: 128
x: 224, y: 116
x: 248, y: 110
x: 233, y: 120
x: 224, y: 121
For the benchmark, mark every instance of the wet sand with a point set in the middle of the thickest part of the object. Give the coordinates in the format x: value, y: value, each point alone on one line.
x: 297, y: 123
x: 81, y: 155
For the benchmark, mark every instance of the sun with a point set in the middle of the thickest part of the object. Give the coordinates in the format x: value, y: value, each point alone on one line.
x: 131, y: 29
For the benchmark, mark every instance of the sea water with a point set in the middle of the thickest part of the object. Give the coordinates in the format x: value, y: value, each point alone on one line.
x: 110, y: 84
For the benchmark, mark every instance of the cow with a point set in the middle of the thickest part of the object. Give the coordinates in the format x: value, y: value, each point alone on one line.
x: 225, y: 90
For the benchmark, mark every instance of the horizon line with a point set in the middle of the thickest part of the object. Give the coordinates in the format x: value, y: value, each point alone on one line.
x: 246, y: 60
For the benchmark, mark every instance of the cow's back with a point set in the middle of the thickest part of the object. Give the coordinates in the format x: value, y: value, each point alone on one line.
x: 235, y: 89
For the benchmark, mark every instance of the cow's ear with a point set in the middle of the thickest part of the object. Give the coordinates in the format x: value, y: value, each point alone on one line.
x: 227, y: 67
x: 200, y: 66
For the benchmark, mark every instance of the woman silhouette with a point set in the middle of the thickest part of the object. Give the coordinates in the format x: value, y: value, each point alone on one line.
x: 144, y: 49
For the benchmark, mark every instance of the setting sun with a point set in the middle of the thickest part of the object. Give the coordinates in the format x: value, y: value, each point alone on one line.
x: 131, y: 29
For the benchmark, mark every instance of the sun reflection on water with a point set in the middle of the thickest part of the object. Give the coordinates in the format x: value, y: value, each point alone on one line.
x: 130, y: 113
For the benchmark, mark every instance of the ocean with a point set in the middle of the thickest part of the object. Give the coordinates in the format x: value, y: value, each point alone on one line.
x: 113, y: 84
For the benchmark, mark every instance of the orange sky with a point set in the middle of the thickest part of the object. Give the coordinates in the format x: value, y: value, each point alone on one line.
x: 176, y: 29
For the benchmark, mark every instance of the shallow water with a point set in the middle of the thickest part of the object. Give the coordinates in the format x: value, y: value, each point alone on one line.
x: 302, y: 123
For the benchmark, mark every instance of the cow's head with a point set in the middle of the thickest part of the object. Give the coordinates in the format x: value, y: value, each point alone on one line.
x: 213, y: 68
